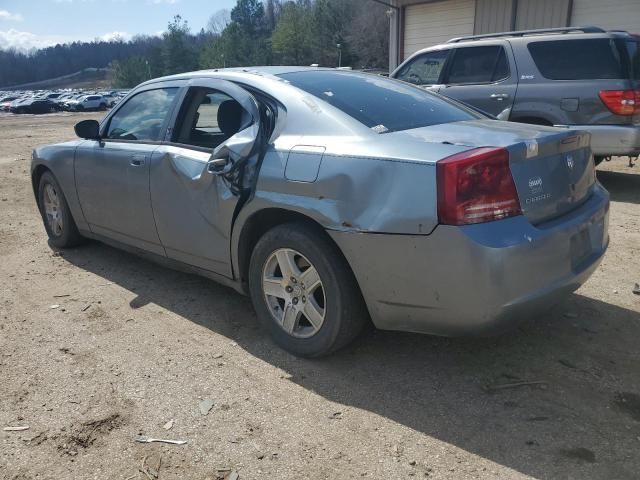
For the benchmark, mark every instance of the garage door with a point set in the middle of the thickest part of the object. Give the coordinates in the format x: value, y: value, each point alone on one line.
x: 432, y: 23
x: 610, y: 14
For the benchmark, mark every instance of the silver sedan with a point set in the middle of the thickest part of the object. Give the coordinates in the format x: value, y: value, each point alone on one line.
x: 334, y: 198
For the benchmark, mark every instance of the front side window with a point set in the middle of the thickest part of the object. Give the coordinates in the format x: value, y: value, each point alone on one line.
x: 382, y: 104
x: 583, y: 59
x: 425, y: 69
x: 207, y: 118
x: 478, y: 65
x: 142, y: 116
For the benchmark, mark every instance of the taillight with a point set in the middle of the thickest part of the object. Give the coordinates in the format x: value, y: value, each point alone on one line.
x: 621, y: 102
x: 476, y: 186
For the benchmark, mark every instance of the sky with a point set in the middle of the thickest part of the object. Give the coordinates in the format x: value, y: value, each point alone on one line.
x: 27, y: 24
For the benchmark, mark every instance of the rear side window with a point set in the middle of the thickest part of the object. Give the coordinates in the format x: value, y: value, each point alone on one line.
x: 142, y: 116
x: 381, y: 104
x: 478, y: 65
x: 633, y: 53
x: 586, y: 59
x: 425, y: 69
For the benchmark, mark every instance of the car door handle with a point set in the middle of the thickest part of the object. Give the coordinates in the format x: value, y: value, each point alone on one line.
x: 499, y: 96
x: 137, y: 160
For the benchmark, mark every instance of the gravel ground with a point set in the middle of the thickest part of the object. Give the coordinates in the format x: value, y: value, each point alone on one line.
x: 98, y: 346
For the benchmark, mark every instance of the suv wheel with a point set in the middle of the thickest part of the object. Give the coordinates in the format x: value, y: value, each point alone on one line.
x: 58, y: 222
x: 304, y: 292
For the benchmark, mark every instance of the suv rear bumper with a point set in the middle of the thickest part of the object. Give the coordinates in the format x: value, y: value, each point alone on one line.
x: 611, y: 139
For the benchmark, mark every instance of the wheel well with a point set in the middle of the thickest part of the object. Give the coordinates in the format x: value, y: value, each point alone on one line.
x: 261, y: 222
x: 35, y: 180
x: 533, y: 120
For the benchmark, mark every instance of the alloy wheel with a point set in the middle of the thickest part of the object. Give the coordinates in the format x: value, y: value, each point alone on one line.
x: 294, y: 293
x: 52, y: 209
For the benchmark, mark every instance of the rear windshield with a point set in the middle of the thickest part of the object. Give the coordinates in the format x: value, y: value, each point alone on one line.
x: 584, y: 59
x: 379, y: 103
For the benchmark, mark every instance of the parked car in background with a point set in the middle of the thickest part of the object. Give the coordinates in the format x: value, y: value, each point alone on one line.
x: 110, y: 99
x: 87, y: 102
x: 34, y: 105
x: 52, y: 96
x: 62, y: 99
x: 583, y: 77
x: 5, y: 103
x: 331, y: 196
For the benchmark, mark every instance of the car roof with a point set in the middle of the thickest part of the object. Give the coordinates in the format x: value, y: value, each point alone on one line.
x: 242, y: 71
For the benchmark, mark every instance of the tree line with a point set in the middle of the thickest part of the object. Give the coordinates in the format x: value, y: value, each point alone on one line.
x: 270, y: 32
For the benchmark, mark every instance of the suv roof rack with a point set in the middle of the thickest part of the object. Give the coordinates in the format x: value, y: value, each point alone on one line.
x: 522, y: 33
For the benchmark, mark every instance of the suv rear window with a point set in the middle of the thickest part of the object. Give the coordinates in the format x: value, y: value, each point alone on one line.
x: 585, y: 59
x: 379, y: 103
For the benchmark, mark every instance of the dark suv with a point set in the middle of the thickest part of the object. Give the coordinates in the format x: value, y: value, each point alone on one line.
x: 583, y: 77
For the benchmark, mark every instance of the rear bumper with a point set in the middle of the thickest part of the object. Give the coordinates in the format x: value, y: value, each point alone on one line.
x: 476, y: 279
x: 612, y: 139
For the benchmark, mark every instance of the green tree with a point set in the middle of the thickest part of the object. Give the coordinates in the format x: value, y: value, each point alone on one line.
x: 228, y: 50
x: 178, y: 55
x: 244, y: 42
x: 328, y: 20
x: 130, y: 72
x: 248, y: 14
x: 290, y: 39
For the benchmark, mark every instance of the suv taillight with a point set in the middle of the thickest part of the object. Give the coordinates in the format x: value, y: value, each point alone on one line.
x: 476, y: 186
x: 621, y: 102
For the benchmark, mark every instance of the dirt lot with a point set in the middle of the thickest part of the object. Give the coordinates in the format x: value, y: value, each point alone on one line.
x: 131, y: 346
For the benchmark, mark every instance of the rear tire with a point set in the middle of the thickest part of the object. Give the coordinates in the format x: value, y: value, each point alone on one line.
x: 598, y: 159
x: 325, y: 314
x: 58, y: 222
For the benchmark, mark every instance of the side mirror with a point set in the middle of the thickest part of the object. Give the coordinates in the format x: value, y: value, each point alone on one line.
x: 219, y: 165
x: 88, y: 129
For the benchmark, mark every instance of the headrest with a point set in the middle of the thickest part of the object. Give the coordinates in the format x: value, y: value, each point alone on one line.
x: 229, y: 117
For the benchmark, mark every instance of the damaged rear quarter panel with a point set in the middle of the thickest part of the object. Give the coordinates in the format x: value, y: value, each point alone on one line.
x: 353, y: 193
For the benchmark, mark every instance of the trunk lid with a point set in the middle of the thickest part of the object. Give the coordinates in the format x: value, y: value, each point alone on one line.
x: 552, y: 168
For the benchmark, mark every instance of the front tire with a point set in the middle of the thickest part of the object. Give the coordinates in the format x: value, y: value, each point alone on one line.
x: 304, y: 292
x: 58, y: 222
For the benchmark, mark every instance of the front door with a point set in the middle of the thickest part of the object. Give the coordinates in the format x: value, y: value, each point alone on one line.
x: 424, y: 70
x: 112, y: 175
x: 193, y: 200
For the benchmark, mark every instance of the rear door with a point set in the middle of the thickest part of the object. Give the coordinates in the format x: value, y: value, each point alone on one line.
x: 482, y: 76
x: 193, y: 189
x: 424, y: 70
